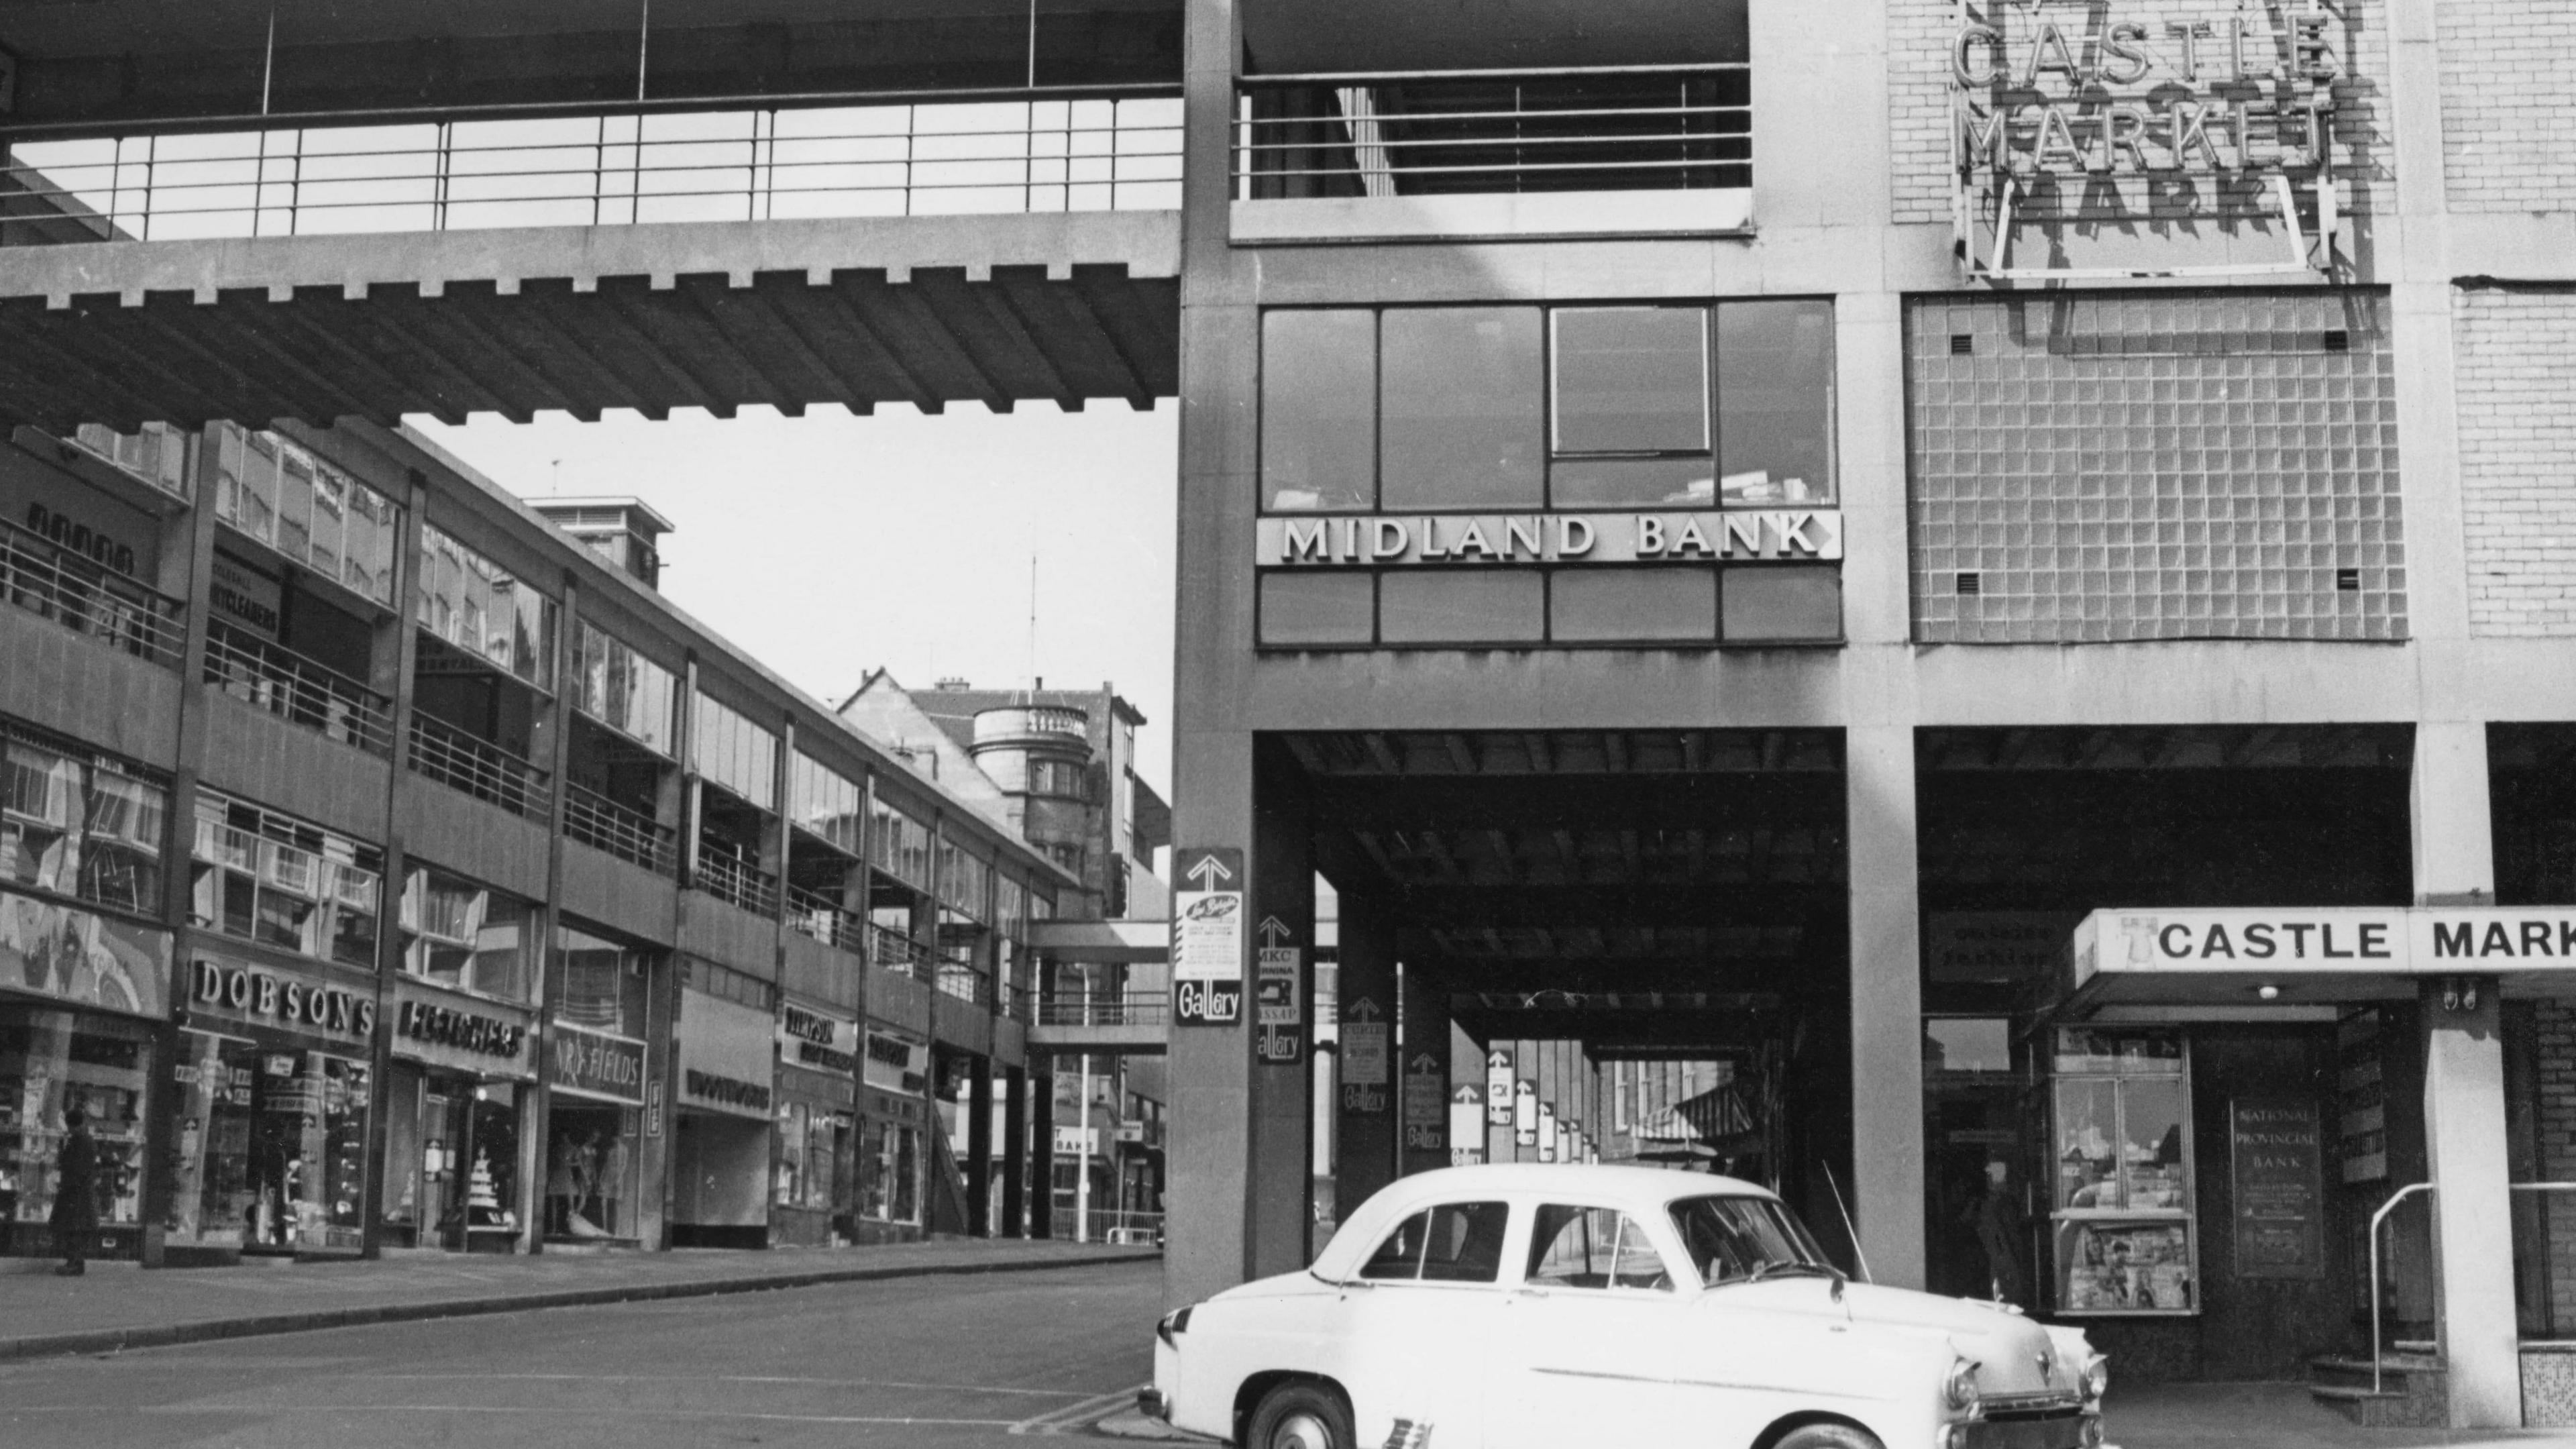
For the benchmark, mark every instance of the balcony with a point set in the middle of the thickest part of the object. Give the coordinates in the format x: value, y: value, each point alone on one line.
x: 46, y: 579
x: 964, y: 982
x: 602, y: 824
x: 815, y: 914
x: 487, y: 772
x: 1629, y: 150
x: 734, y: 881
x: 286, y: 684
x: 1131, y: 1007
x: 893, y: 951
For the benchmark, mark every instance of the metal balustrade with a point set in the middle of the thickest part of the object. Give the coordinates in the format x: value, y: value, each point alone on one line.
x: 734, y: 881
x: 1107, y: 1008
x: 479, y: 768
x: 965, y: 983
x: 606, y: 825
x: 821, y: 917
x: 1412, y: 133
x: 51, y: 581
x: 840, y: 154
x: 899, y: 953
x: 275, y: 678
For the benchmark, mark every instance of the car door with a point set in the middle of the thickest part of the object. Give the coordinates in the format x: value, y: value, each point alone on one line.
x: 1586, y: 1346
x: 1417, y: 1322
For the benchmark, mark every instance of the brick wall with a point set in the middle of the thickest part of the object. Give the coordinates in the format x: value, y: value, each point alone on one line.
x: 1919, y: 100
x: 2517, y: 418
x: 2167, y: 465
x: 2507, y: 127
x: 2557, y: 1132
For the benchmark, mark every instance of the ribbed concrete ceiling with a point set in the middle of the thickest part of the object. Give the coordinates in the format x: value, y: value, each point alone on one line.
x: 1064, y: 309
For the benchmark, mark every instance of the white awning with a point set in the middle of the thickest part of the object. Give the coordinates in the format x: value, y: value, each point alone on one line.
x: 2291, y: 956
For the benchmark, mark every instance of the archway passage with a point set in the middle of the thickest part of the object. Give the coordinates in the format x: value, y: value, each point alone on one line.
x: 1621, y: 945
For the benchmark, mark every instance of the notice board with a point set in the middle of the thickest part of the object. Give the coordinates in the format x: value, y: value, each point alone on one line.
x: 2276, y: 1153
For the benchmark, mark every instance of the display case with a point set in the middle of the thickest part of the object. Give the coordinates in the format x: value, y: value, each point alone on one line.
x: 2123, y: 1229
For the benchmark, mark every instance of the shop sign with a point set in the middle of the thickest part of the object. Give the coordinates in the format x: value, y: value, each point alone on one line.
x: 2276, y: 1148
x: 725, y: 1056
x: 83, y: 958
x: 246, y: 597
x: 1693, y: 536
x: 1426, y: 1103
x: 596, y: 1064
x: 897, y: 1064
x: 1466, y: 1126
x: 451, y: 1035
x: 1076, y: 1141
x: 1207, y: 937
x: 2078, y: 92
x: 810, y: 1038
x: 248, y: 993
x: 1364, y: 1033
x: 2420, y: 940
x: 1995, y: 945
x: 1278, y: 994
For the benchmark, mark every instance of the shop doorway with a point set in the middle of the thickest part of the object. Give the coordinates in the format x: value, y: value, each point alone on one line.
x: 591, y: 1162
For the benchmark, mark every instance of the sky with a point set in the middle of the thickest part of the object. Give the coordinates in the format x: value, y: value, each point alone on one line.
x: 828, y: 545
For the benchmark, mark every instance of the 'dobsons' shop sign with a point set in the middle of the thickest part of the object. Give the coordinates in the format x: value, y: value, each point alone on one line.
x: 272, y: 998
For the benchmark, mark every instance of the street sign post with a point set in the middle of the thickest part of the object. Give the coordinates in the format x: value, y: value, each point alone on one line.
x: 1207, y: 937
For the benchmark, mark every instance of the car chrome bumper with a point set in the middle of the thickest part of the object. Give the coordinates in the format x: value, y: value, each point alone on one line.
x: 2071, y: 1429
x: 1149, y: 1402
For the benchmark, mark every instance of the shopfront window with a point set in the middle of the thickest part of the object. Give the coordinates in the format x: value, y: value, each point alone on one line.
x: 480, y: 607
x: 452, y: 1159
x: 2124, y: 1220
x: 270, y: 1146
x: 51, y: 1061
x: 270, y: 878
x: 603, y: 984
x: 460, y: 934
x: 308, y: 509
x: 620, y: 688
x: 825, y: 802
x: 81, y: 825
x: 592, y: 1154
x: 814, y: 1146
x: 734, y: 753
x: 894, y: 1173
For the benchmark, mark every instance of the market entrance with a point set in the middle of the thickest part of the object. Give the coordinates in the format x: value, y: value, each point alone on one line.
x: 1611, y: 945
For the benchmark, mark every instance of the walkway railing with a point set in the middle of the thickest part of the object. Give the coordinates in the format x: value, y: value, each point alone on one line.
x: 965, y: 983
x: 2378, y: 1219
x: 480, y: 768
x: 1108, y: 1008
x: 734, y: 881
x: 49, y: 580
x: 848, y: 154
x: 821, y: 917
x: 292, y: 687
x: 603, y: 824
x: 899, y: 953
x: 1409, y: 133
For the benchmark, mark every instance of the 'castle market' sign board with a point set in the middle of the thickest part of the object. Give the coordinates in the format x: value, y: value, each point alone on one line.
x: 2315, y: 955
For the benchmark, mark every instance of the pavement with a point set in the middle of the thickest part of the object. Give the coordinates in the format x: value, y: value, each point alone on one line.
x: 122, y: 1306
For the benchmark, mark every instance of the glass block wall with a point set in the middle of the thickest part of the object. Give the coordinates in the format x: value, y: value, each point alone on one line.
x: 2168, y: 465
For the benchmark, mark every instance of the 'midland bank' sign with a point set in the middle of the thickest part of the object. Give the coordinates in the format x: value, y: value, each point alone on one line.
x: 1470, y: 538
x: 2074, y: 89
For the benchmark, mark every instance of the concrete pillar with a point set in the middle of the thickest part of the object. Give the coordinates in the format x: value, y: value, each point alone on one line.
x: 1422, y: 1108
x: 1211, y: 1066
x: 979, y: 1147
x: 1279, y: 1198
x: 1042, y: 1157
x: 2464, y: 1113
x: 1365, y: 1118
x: 1015, y: 1152
x: 1886, y: 1183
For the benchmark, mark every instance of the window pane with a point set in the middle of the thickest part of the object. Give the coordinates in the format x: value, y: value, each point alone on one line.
x: 1635, y: 482
x: 1464, y: 1243
x: 1318, y: 400
x: 1775, y: 401
x: 1482, y: 607
x: 1590, y: 605
x: 1791, y: 602
x: 1460, y: 416
x: 1631, y: 380
x: 1400, y: 1256
x: 2151, y: 1124
x: 1315, y: 608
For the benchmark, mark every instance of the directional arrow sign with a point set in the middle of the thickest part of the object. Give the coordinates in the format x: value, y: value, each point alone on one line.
x: 1364, y: 1045
x: 1364, y: 1010
x: 1498, y: 1088
x: 1207, y: 938
x: 1208, y: 872
x: 1274, y: 931
x: 1467, y: 1096
x: 1423, y: 1063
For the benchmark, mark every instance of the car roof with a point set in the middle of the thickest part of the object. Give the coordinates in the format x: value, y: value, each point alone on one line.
x: 1634, y: 1189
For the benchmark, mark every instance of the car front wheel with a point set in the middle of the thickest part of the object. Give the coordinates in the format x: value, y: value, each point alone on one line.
x: 1828, y: 1436
x: 1301, y: 1416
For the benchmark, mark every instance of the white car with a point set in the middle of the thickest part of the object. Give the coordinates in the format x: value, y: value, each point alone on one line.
x: 1529, y: 1307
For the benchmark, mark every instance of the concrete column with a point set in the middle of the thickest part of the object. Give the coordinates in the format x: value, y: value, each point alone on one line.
x: 1886, y: 1183
x: 1279, y: 1198
x: 1365, y: 1117
x: 1042, y: 1156
x: 2464, y: 1113
x: 1423, y: 1127
x: 1015, y: 1152
x: 1211, y: 1066
x: 979, y: 1147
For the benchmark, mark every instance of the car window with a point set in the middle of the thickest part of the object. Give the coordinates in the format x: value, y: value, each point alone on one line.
x: 1592, y: 1247
x: 1452, y: 1243
x: 1730, y: 1239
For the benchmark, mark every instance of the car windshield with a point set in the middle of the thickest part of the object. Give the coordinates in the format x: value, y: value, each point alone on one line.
x: 1740, y: 1239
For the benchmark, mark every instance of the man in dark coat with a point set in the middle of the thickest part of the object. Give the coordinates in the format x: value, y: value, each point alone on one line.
x: 75, y: 1215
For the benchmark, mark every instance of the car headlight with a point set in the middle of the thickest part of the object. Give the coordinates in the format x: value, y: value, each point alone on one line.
x: 1959, y: 1390
x: 1175, y: 1322
x: 2097, y: 1379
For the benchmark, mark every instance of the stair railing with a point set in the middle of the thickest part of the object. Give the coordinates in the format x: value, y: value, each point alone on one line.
x: 2381, y: 1216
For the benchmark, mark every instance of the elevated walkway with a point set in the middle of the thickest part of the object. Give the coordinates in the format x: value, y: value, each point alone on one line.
x: 1064, y: 307
x: 1135, y: 1022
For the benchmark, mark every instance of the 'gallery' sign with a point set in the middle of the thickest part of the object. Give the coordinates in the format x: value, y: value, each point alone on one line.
x: 1698, y: 535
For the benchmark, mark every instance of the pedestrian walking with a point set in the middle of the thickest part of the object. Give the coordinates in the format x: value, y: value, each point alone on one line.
x: 75, y: 1214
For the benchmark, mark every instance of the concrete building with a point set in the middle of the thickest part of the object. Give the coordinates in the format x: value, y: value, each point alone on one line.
x: 386, y: 868
x: 1804, y: 551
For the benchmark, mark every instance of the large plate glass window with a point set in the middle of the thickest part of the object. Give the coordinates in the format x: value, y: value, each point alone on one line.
x: 271, y: 878
x: 81, y: 825
x: 2123, y: 1225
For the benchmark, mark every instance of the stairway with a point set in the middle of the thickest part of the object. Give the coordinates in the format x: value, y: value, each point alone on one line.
x: 2413, y: 1392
